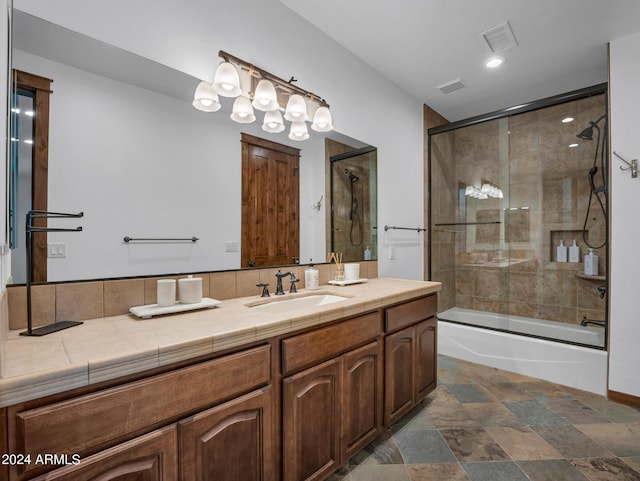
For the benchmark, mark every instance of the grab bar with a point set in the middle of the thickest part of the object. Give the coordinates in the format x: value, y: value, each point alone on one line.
x: 470, y: 223
x: 393, y: 227
x: 128, y: 239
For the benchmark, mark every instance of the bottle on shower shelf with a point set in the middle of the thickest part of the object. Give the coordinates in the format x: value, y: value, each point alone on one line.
x: 561, y: 252
x: 591, y: 264
x: 574, y: 253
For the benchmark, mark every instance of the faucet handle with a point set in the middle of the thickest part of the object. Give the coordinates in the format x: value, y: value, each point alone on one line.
x: 265, y: 289
x: 294, y: 279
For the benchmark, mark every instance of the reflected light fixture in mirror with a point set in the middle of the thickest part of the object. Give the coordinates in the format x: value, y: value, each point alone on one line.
x: 258, y: 89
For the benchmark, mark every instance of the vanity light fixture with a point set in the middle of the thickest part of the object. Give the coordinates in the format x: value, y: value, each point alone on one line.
x: 255, y: 88
x: 298, y: 130
x: 242, y: 110
x: 485, y: 192
x: 205, y: 98
x: 273, y: 122
x: 226, y: 81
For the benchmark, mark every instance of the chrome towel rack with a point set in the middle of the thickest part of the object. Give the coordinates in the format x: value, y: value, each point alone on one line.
x: 393, y: 227
x: 128, y: 239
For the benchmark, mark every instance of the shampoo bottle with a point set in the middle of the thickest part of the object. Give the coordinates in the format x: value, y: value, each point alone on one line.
x: 561, y: 252
x: 574, y: 253
x: 367, y: 254
x: 311, y: 278
x: 591, y: 264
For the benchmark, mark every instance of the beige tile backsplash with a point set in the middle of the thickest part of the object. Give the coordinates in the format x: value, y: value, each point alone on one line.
x: 79, y: 301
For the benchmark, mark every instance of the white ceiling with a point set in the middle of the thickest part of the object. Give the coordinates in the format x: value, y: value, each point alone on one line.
x: 422, y: 44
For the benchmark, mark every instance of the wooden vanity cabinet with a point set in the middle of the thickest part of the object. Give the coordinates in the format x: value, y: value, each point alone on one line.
x: 334, y: 408
x: 410, y: 356
x: 294, y: 408
x: 152, y: 457
x: 362, y: 398
x: 230, y: 442
x: 311, y: 423
x: 106, y: 428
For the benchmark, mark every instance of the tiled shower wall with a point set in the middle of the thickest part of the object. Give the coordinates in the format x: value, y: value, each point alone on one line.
x: 511, y: 267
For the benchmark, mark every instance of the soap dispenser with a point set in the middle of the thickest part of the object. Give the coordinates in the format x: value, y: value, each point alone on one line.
x: 574, y: 253
x: 367, y: 254
x: 311, y: 278
x: 591, y: 264
x: 561, y: 252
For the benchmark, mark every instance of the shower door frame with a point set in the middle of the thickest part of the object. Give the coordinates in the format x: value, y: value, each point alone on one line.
x: 574, y: 95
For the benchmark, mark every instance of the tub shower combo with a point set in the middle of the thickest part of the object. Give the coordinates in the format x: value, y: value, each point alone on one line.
x: 505, y: 190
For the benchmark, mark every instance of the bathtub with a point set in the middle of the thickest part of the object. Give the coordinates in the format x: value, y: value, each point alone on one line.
x: 572, y: 365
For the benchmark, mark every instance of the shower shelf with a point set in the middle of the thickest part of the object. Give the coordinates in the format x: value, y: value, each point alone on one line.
x: 591, y: 278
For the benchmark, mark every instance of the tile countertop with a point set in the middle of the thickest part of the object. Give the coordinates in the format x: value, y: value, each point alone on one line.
x: 110, y: 347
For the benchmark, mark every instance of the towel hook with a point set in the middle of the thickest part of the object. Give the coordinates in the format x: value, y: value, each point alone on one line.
x: 633, y: 165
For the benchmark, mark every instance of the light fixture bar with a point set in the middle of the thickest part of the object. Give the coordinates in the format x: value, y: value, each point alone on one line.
x: 257, y: 72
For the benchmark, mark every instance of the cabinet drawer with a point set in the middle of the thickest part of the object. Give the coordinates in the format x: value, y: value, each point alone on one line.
x: 313, y: 347
x: 92, y: 422
x: 410, y: 312
x: 150, y: 457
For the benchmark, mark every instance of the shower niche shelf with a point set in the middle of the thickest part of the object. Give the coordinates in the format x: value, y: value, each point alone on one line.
x: 568, y: 236
x: 591, y: 278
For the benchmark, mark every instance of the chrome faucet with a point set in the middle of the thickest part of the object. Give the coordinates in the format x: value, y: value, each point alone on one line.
x: 279, y: 276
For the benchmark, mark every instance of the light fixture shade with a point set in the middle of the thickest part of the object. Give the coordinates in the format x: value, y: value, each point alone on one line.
x: 265, y: 97
x: 322, y: 121
x: 273, y: 122
x: 298, y: 131
x: 226, y: 81
x: 296, y: 110
x: 205, y: 98
x: 242, y: 111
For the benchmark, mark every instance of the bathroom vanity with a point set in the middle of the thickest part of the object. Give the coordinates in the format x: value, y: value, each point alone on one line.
x: 289, y: 395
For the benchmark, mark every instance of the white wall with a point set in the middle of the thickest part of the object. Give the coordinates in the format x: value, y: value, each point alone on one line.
x: 624, y: 357
x: 365, y: 105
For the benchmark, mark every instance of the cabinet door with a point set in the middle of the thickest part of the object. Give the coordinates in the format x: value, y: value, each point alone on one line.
x: 230, y: 442
x: 151, y: 457
x: 399, y: 372
x: 361, y: 398
x: 426, y: 358
x: 311, y: 414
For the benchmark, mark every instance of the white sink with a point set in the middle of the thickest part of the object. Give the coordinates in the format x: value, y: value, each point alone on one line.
x: 295, y: 303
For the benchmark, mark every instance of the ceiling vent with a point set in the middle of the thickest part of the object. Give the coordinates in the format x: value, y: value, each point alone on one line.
x: 499, y: 38
x: 452, y: 86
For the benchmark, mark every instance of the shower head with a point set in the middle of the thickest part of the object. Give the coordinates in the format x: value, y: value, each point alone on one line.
x: 587, y: 134
x: 352, y: 176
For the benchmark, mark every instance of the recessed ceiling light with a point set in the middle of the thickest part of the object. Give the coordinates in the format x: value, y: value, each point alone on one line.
x: 566, y: 120
x: 573, y: 145
x: 494, y: 62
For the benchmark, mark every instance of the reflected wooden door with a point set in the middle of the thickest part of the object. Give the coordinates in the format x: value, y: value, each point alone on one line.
x: 40, y: 89
x: 270, y: 202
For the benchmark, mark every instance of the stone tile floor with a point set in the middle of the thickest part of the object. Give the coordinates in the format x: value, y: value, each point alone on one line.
x: 484, y: 424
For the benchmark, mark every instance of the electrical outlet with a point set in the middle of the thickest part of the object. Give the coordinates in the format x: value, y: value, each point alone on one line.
x: 56, y: 250
x: 232, y: 246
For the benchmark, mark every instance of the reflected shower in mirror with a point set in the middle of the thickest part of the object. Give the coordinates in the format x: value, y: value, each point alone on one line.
x: 353, y: 204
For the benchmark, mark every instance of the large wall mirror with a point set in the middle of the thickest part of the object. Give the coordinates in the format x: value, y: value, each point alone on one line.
x: 126, y: 147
